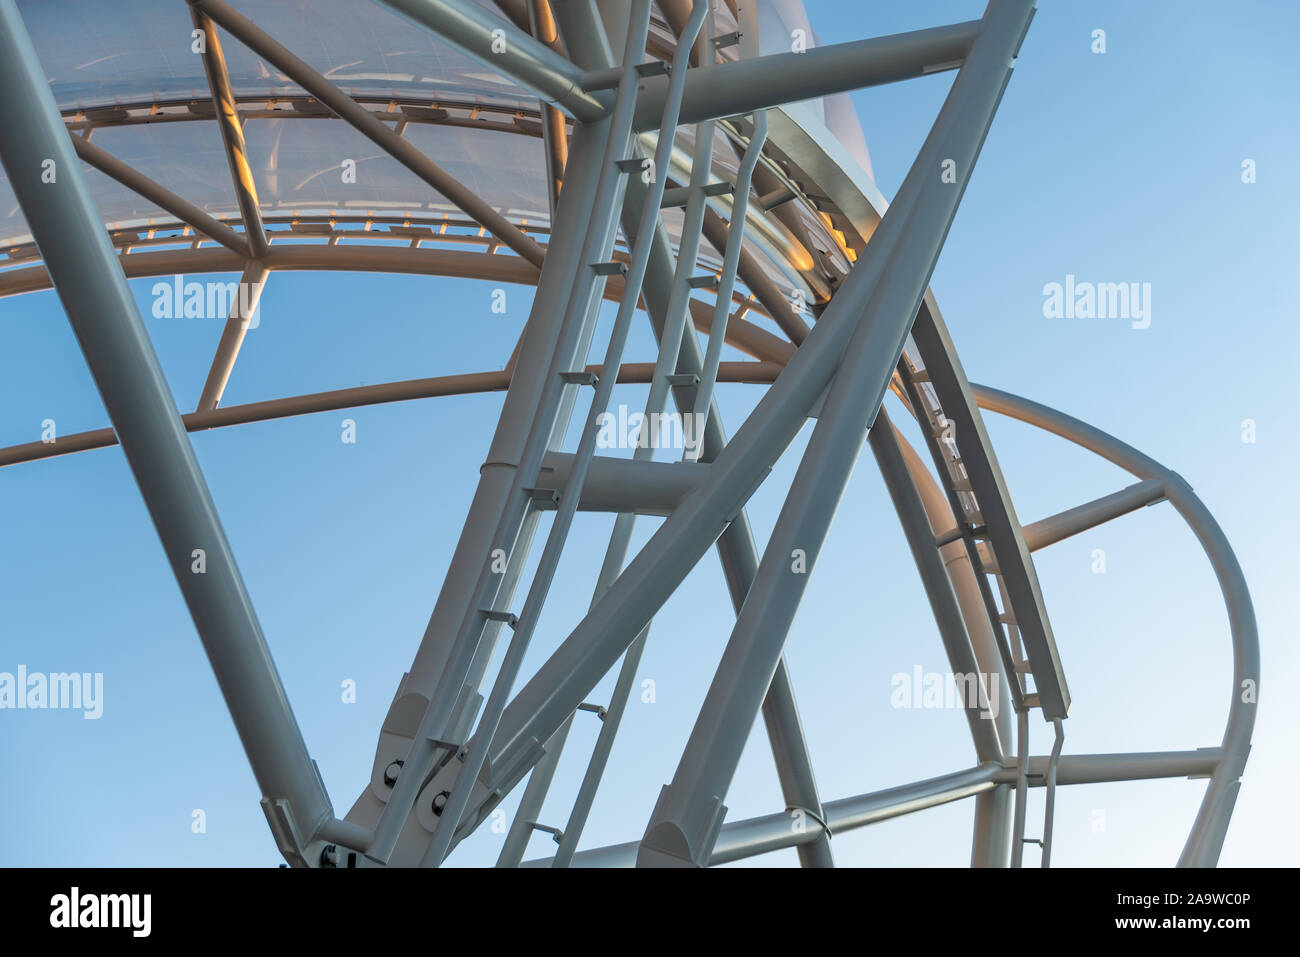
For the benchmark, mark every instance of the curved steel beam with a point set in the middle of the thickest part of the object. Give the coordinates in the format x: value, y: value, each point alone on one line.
x: 468, y: 384
x: 455, y: 263
x: 1206, y: 839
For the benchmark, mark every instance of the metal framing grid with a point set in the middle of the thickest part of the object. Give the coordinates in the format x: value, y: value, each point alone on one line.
x: 457, y: 737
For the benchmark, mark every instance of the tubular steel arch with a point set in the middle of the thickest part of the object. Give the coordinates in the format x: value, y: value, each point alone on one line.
x: 608, y: 88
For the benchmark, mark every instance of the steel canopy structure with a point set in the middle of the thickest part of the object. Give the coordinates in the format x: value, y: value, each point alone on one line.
x: 679, y: 157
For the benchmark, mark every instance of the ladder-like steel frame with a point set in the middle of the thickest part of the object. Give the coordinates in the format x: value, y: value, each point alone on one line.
x: 446, y: 756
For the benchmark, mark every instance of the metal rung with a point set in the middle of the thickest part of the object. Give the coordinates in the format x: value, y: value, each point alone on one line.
x: 555, y: 832
x: 1007, y: 618
x: 547, y: 496
x: 952, y: 535
x: 597, y: 709
x: 677, y: 196
x: 631, y: 165
x: 770, y: 201
x: 727, y: 40
x: 654, y: 68
x: 1032, y: 701
x: 509, y: 618
x: 681, y: 195
x: 703, y: 282
x: 580, y: 377
x: 920, y: 375
x: 682, y: 378
x: 610, y: 268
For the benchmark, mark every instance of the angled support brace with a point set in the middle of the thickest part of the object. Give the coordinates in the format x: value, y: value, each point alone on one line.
x: 506, y: 49
x: 243, y: 316
x: 178, y: 206
x: 113, y: 338
x: 685, y: 822
x: 369, y: 125
x: 232, y: 134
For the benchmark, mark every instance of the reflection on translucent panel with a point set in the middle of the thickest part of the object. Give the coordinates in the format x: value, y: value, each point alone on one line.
x: 97, y: 55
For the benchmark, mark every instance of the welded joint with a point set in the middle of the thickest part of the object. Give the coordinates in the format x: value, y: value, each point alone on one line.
x: 595, y: 80
x: 678, y: 838
x: 543, y: 498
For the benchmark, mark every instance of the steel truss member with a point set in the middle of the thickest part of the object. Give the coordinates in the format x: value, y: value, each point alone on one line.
x: 756, y: 193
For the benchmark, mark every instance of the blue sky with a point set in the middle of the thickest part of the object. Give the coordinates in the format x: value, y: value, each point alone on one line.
x: 1123, y: 166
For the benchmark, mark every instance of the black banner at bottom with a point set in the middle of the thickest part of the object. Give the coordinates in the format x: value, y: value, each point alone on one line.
x: 334, y: 906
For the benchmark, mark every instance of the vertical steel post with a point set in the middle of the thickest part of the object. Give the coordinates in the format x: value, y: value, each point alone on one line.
x: 640, y: 257
x: 531, y: 407
x: 242, y: 309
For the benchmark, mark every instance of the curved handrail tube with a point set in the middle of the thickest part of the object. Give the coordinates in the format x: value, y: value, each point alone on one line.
x: 1206, y: 839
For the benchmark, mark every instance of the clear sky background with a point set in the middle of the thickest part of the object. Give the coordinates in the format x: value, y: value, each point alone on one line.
x: 1118, y: 167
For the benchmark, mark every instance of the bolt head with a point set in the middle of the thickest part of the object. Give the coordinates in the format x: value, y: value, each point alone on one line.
x: 392, y: 771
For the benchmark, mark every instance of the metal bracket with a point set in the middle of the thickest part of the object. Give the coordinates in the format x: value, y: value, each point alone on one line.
x: 555, y: 832
x: 597, y: 709
x: 544, y: 496
x: 654, y: 68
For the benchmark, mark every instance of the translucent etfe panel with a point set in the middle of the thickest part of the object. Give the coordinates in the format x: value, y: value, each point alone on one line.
x: 782, y: 24
x: 299, y: 164
x: 97, y: 52
x: 186, y: 157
